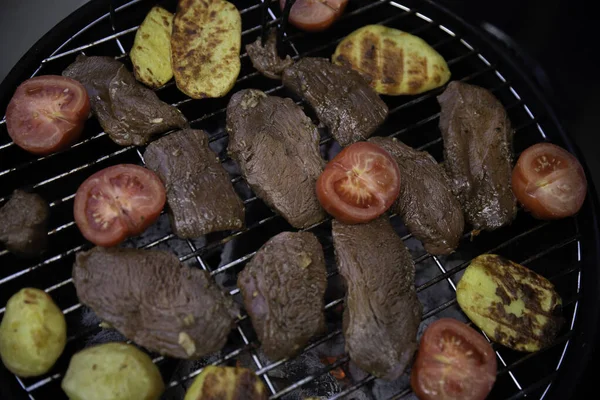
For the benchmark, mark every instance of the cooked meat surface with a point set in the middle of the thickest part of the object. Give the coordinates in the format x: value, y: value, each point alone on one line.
x: 23, y: 224
x: 152, y: 299
x: 265, y: 58
x: 426, y: 203
x: 200, y: 196
x: 382, y: 313
x: 341, y: 98
x: 128, y: 111
x: 478, y: 154
x: 283, y: 288
x: 277, y: 148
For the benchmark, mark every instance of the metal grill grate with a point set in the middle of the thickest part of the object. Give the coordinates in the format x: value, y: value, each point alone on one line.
x: 552, y: 249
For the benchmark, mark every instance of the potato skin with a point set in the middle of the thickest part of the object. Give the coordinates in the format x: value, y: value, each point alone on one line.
x: 394, y: 62
x: 33, y: 333
x: 151, y: 51
x: 115, y: 371
x: 226, y: 383
x: 513, y: 305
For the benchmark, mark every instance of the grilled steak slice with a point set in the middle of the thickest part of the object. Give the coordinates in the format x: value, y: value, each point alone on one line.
x: 382, y: 313
x: 283, y: 288
x: 128, y: 111
x: 200, y: 196
x: 426, y: 203
x: 341, y: 98
x: 265, y: 58
x: 478, y: 154
x: 152, y: 299
x: 23, y: 224
x: 277, y: 148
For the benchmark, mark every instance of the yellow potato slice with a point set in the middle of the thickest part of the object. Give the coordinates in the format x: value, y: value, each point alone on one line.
x: 394, y: 62
x: 205, y: 47
x: 226, y: 383
x: 151, y: 52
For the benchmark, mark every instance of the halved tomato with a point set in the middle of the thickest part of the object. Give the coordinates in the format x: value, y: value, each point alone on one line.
x: 454, y: 362
x: 47, y: 113
x: 315, y: 15
x: 118, y: 202
x: 359, y: 184
x: 549, y: 181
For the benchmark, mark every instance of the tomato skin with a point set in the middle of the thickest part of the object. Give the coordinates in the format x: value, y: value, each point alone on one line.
x: 549, y: 182
x: 359, y: 184
x: 314, y: 15
x: 118, y: 202
x: 47, y: 113
x: 454, y: 362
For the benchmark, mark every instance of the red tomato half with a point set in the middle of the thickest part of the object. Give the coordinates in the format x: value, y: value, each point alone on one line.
x: 315, y: 15
x: 549, y: 181
x: 47, y: 113
x: 118, y: 202
x: 359, y: 184
x: 454, y: 362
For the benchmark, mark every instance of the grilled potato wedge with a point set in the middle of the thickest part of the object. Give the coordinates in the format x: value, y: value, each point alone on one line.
x: 394, y: 62
x: 227, y: 383
x: 151, y: 52
x: 205, y: 47
x: 513, y: 305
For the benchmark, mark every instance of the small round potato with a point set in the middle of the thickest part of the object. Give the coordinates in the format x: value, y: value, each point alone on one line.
x: 115, y: 371
x: 33, y: 333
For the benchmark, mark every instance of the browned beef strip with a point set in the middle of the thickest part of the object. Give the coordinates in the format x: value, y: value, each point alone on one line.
x: 382, y: 313
x: 478, y: 154
x: 265, y: 58
x: 129, y: 112
x: 152, y: 299
x: 341, y: 98
x: 200, y: 196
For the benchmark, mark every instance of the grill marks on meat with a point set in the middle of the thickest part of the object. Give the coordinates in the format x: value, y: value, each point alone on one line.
x: 265, y: 58
x: 341, y: 98
x: 283, y: 288
x: 129, y: 112
x: 382, y: 313
x: 23, y: 224
x: 200, y: 196
x: 152, y: 299
x: 426, y: 203
x: 477, y: 138
x: 277, y: 148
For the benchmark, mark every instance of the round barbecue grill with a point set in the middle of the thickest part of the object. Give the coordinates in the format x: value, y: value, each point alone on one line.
x: 564, y: 251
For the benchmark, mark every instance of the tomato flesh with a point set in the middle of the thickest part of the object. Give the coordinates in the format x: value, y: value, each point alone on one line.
x: 118, y: 202
x: 359, y: 184
x: 549, y: 182
x: 454, y: 362
x: 47, y: 113
x: 315, y: 15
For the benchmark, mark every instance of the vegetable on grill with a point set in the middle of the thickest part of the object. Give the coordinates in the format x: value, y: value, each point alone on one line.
x: 33, y: 333
x: 513, y: 305
x: 226, y: 383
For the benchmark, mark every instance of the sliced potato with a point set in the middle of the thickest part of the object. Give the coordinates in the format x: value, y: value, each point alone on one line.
x: 205, y: 47
x: 226, y: 383
x: 394, y: 62
x: 513, y: 305
x: 151, y: 52
x: 33, y: 333
x: 116, y: 371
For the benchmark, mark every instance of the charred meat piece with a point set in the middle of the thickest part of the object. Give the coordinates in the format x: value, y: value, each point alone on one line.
x: 23, y: 224
x: 152, y: 299
x: 283, y: 288
x: 200, y: 195
x: 128, y: 111
x: 426, y: 203
x: 478, y: 154
x: 341, y: 98
x: 382, y: 313
x: 265, y: 58
x: 277, y: 148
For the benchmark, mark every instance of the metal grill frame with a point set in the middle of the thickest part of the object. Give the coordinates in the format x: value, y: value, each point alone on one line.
x: 582, y: 330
